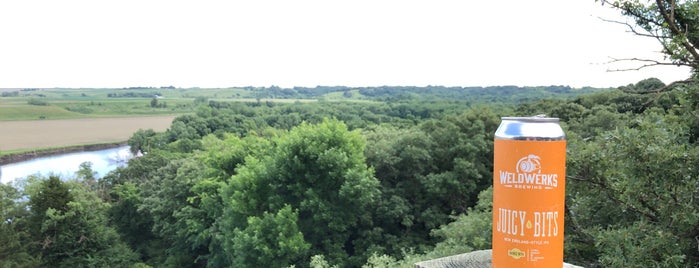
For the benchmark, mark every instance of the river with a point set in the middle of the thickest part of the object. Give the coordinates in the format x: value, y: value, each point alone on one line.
x: 65, y: 165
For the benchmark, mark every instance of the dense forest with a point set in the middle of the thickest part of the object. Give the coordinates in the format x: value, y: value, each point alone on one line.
x: 373, y: 184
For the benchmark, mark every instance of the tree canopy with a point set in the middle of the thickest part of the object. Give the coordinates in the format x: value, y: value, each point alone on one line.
x: 375, y: 184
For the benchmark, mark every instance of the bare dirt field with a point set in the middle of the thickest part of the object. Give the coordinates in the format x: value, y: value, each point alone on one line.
x: 36, y: 134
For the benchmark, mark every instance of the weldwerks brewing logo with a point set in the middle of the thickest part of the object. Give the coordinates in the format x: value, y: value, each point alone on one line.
x: 527, y: 175
x: 529, y: 164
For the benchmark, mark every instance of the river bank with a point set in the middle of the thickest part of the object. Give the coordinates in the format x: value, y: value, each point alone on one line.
x: 66, y: 165
x: 31, y: 154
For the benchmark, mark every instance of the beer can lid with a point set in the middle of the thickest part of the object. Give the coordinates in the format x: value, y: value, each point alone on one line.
x: 537, y: 127
x: 541, y: 118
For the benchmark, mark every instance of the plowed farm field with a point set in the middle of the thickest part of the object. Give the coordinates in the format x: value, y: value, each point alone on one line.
x: 38, y: 134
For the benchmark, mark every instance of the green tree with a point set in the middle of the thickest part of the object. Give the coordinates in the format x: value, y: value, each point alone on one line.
x: 87, y: 176
x: 202, y: 214
x: 177, y: 203
x: 196, y: 123
x: 134, y: 227
x: 165, y: 196
x: 129, y: 187
x: 273, y: 240
x: 141, y: 140
x: 179, y: 130
x: 85, y: 172
x: 649, y: 84
x: 14, y: 238
x: 318, y: 170
x: 201, y: 100
x: 468, y: 232
x: 49, y: 194
x: 429, y: 172
x: 631, y: 195
x: 675, y: 24
x: 73, y: 228
x: 401, y: 159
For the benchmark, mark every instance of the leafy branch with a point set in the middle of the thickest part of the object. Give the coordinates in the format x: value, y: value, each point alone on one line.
x: 673, y: 24
x: 647, y: 63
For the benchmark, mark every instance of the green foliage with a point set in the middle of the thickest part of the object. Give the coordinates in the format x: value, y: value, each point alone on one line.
x: 51, y: 194
x: 165, y: 201
x: 14, y: 251
x: 380, y: 261
x: 468, y: 232
x: 641, y: 244
x: 645, y: 85
x: 382, y: 184
x: 645, y: 173
x: 201, y: 100
x: 37, y: 102
x: 318, y: 261
x: 273, y: 240
x: 86, y: 174
x: 6, y: 94
x: 318, y: 170
x: 69, y: 225
x: 133, y: 227
x: 141, y: 140
x: 429, y: 172
x: 674, y: 24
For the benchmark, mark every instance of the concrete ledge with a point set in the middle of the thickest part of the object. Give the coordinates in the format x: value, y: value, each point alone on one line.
x: 476, y: 259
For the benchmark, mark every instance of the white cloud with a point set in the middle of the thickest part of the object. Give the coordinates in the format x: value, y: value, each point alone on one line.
x: 308, y: 43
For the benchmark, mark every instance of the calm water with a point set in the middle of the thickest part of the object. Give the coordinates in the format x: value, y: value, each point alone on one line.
x: 65, y: 165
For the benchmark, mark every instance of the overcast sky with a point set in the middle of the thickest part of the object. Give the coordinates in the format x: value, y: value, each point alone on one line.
x: 289, y: 43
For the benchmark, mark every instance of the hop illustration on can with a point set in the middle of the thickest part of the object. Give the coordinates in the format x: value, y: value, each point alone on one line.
x: 528, y: 192
x: 529, y: 164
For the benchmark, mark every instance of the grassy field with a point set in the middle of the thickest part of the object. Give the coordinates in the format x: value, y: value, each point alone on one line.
x: 35, y: 134
x: 58, y: 117
x: 65, y: 104
x: 62, y: 103
x: 35, y: 119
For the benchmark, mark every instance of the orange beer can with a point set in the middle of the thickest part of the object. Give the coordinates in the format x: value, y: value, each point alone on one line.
x: 528, y: 192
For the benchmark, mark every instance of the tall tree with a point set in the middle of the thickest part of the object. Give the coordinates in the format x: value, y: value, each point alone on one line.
x: 14, y: 245
x: 674, y: 24
x: 71, y: 225
x: 50, y: 194
x: 166, y: 195
x: 317, y: 170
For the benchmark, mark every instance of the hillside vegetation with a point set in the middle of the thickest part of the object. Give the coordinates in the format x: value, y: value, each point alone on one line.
x: 387, y: 182
x: 65, y: 103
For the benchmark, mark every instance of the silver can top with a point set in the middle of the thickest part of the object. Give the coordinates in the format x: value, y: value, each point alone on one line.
x: 537, y: 127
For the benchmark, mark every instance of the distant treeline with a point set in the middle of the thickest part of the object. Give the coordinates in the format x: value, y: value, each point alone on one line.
x: 133, y: 95
x: 393, y: 93
x: 10, y: 94
x: 164, y: 87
